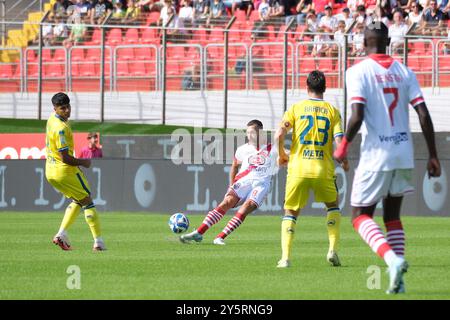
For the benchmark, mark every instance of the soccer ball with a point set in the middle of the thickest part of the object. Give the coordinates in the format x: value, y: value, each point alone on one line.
x: 178, y: 223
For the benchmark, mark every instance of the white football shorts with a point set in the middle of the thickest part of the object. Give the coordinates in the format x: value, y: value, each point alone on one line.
x: 248, y: 189
x: 369, y: 187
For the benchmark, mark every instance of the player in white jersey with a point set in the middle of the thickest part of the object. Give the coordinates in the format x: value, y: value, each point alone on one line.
x: 249, y: 185
x: 381, y: 91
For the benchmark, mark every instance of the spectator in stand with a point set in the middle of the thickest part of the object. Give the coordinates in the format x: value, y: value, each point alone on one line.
x: 263, y: 10
x: 120, y: 10
x: 371, y: 4
x: 148, y: 5
x: 415, y: 15
x: 175, y: 30
x: 60, y: 31
x: 100, y: 10
x: 339, y: 37
x: 276, y: 9
x: 379, y: 15
x: 311, y: 26
x: 60, y: 7
x: 83, y: 7
x: 358, y: 41
x: 77, y: 33
x: 201, y: 12
x: 354, y: 4
x: 446, y: 8
x: 164, y: 16
x: 187, y: 13
x: 133, y: 13
x: 361, y: 15
x: 328, y: 23
x: 93, y: 149
x: 447, y: 44
x: 217, y: 13
x: 47, y: 33
x: 397, y: 32
x: 321, y: 49
x: 319, y: 6
x: 302, y: 9
x: 345, y: 15
x: 233, y: 5
x: 433, y: 20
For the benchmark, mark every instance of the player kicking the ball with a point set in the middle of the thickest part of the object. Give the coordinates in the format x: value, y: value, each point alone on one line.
x: 62, y: 172
x: 380, y: 90
x: 248, y: 187
x: 315, y: 124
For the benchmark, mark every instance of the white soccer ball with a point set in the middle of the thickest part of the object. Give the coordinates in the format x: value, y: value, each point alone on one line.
x: 178, y: 223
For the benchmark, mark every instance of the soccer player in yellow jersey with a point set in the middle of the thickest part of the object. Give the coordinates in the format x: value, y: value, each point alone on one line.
x: 315, y: 124
x: 63, y: 173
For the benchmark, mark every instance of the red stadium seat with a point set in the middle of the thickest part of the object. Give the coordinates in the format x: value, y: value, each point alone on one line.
x: 149, y: 36
x: 114, y: 37
x: 326, y: 65
x: 152, y: 18
x: 60, y: 55
x: 125, y: 54
x: 88, y: 69
x: 96, y: 37
x: 137, y: 69
x: 31, y: 56
x: 77, y: 54
x: 176, y: 53
x: 122, y: 69
x: 53, y: 71
x: 144, y: 54
x: 47, y: 54
x: 132, y: 36
x: 6, y: 71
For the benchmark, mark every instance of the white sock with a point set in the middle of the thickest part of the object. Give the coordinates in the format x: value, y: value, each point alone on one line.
x: 99, y: 240
x: 61, y: 232
x: 390, y: 257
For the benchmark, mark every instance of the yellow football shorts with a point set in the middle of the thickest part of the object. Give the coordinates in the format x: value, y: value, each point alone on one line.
x: 297, y: 191
x: 71, y: 184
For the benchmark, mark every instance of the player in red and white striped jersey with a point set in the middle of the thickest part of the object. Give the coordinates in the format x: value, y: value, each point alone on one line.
x: 249, y: 185
x: 381, y: 91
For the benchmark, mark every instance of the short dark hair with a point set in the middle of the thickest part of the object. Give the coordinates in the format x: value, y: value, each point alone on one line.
x: 361, y: 7
x: 255, y: 123
x: 316, y: 81
x: 60, y: 99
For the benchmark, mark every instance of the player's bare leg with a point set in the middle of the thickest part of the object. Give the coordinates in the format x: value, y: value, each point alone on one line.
x: 230, y: 200
x: 61, y: 238
x: 287, y: 236
x: 394, y: 230
x: 248, y: 207
x: 333, y: 228
x: 371, y: 233
x: 92, y: 219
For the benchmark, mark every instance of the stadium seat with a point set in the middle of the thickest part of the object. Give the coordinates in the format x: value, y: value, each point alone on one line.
x: 137, y: 69
x: 144, y: 53
x: 326, y: 65
x: 53, y: 70
x: 216, y: 35
x: 60, y: 55
x: 96, y: 37
x: 77, y: 54
x: 149, y: 36
x: 31, y: 55
x: 88, y: 69
x: 132, y: 36
x: 122, y: 69
x: 152, y: 18
x: 6, y: 71
x: 176, y: 53
x: 241, y: 15
x: 125, y: 54
x: 114, y: 37
x: 47, y: 55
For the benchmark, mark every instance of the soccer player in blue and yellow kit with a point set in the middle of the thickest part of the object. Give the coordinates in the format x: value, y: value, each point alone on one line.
x: 315, y: 123
x: 63, y: 173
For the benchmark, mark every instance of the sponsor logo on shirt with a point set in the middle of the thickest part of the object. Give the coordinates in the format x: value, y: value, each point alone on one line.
x: 257, y: 160
x: 313, y: 154
x: 396, y: 139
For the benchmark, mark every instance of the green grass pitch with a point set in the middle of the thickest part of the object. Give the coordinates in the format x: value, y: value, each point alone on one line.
x: 146, y: 261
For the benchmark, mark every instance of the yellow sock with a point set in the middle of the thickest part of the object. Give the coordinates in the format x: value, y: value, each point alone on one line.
x: 333, y: 226
x: 70, y: 215
x: 287, y: 236
x: 91, y: 216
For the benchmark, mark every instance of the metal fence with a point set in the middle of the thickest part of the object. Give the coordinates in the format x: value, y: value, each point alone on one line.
x: 207, y: 63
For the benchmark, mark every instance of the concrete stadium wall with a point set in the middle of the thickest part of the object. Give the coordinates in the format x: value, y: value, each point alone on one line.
x: 194, y: 108
x: 161, y: 186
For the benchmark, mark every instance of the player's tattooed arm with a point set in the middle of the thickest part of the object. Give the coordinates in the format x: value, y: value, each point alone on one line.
x: 72, y: 161
x: 433, y: 166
